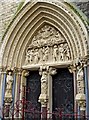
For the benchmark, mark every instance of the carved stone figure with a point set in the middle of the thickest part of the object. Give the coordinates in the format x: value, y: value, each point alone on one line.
x: 36, y: 56
x: 80, y: 81
x: 45, y: 53
x: 66, y: 52
x: 44, y: 81
x: 55, y: 52
x: 9, y: 83
x: 46, y: 35
x: 30, y: 55
x: 61, y: 51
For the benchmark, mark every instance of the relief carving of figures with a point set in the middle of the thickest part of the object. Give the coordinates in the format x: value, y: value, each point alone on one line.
x: 47, y: 44
x: 29, y: 56
x: 47, y: 35
x: 9, y: 83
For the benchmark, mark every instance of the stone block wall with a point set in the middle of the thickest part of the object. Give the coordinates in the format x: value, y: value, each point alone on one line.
x: 7, y: 11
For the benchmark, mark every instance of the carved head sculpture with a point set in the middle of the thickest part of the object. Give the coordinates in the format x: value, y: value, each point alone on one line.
x: 55, y: 46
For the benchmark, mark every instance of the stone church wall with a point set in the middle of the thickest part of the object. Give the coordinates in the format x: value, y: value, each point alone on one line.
x: 7, y: 10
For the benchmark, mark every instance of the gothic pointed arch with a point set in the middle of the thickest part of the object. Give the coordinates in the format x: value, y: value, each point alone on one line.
x: 31, y: 19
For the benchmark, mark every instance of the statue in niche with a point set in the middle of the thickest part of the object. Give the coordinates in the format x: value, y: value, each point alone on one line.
x: 44, y: 81
x: 55, y: 52
x: 45, y: 53
x: 36, y: 55
x: 9, y: 83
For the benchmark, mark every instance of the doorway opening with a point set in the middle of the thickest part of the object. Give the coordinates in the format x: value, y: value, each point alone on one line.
x: 63, y: 91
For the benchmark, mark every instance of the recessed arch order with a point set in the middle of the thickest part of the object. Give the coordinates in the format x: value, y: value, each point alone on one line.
x: 30, y: 19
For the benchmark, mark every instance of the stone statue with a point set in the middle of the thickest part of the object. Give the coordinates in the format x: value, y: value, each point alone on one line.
x: 61, y: 51
x: 80, y: 81
x: 9, y: 83
x: 66, y: 52
x: 45, y: 53
x: 30, y: 55
x: 55, y: 52
x: 44, y: 81
x: 36, y: 55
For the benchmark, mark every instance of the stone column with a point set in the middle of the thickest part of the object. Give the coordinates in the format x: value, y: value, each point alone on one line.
x: 80, y: 97
x: 73, y: 69
x: 19, y: 74
x: 2, y: 88
x: 86, y: 77
x: 52, y: 71
x: 25, y: 73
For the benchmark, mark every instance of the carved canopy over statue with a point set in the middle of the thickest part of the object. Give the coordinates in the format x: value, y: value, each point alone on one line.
x: 47, y: 45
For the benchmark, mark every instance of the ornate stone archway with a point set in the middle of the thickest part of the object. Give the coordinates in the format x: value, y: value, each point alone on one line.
x: 46, y: 27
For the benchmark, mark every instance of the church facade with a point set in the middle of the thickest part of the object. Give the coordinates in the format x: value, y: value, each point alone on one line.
x: 44, y: 59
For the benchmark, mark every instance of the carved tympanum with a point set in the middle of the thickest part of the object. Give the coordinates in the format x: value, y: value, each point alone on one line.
x: 47, y: 45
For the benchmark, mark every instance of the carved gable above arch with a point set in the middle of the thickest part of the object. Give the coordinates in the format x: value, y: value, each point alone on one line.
x: 48, y: 46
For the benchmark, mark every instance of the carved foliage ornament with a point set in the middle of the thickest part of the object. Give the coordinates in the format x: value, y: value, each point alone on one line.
x: 47, y: 45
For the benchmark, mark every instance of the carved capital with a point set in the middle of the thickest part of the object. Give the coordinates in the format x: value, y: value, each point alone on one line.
x: 81, y: 61
x: 81, y: 100
x: 52, y: 71
x: 72, y: 68
x: 3, y: 69
x: 43, y: 68
x: 25, y: 73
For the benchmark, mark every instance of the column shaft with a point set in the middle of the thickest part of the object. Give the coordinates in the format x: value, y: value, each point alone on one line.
x: 75, y: 91
x: 86, y: 90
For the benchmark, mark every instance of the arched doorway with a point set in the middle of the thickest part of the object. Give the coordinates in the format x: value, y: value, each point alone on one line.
x: 43, y: 26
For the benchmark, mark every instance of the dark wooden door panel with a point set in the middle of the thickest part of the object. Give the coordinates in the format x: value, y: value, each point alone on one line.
x: 34, y: 84
x: 63, y: 91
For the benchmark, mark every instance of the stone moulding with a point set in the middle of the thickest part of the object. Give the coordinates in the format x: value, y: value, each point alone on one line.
x: 30, y: 19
